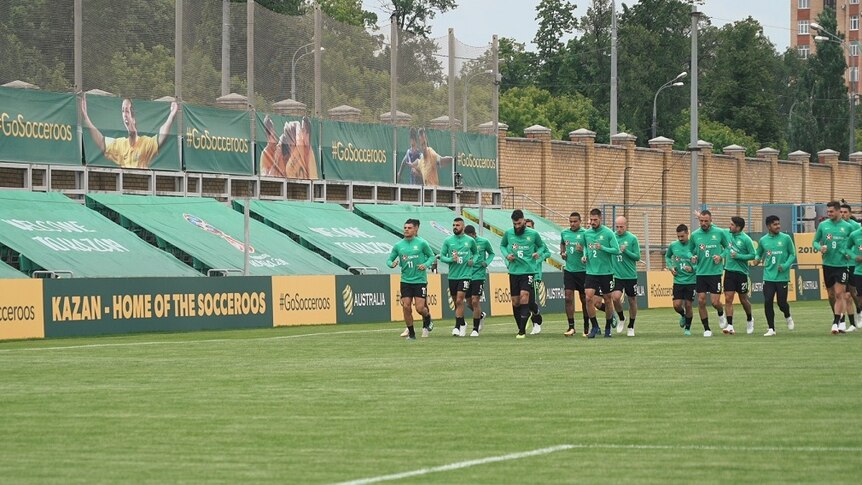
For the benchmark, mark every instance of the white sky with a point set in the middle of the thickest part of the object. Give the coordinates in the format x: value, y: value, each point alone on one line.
x: 475, y: 21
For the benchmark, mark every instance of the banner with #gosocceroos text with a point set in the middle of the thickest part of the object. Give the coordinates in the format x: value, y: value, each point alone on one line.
x: 477, y: 160
x: 38, y: 127
x: 217, y: 141
x: 354, y: 151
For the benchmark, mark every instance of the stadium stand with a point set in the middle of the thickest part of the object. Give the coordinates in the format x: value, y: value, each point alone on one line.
x: 341, y: 236
x: 499, y: 220
x: 51, y: 232
x: 7, y: 271
x: 208, y: 235
x: 436, y: 226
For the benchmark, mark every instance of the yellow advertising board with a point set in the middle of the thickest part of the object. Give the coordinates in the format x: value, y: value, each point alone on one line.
x: 304, y: 300
x: 805, y: 254
x: 498, y: 292
x: 21, y: 309
x: 659, y: 289
x: 792, y: 286
x: 434, y: 300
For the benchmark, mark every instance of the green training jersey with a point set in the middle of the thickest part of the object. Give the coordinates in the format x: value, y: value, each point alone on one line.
x: 459, y: 251
x: 543, y: 255
x: 678, y: 257
x: 484, y: 256
x: 778, y: 254
x: 410, y: 255
x: 739, y: 253
x: 705, y: 245
x: 854, y: 223
x: 601, y: 248
x: 625, y: 263
x: 523, y: 247
x: 854, y: 246
x: 833, y: 235
x: 569, y: 241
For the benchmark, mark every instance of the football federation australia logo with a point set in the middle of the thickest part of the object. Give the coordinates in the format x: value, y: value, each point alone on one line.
x: 702, y: 247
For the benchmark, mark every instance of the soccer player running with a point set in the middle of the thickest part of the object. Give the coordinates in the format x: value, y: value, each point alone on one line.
x: 707, y: 246
x: 458, y: 251
x: 678, y: 261
x: 521, y: 247
x: 777, y: 253
x: 854, y: 246
x: 415, y: 256
x: 852, y: 287
x: 736, y: 272
x: 484, y: 256
x: 535, y: 309
x: 831, y: 241
x: 572, y: 242
x: 626, y: 275
x: 601, y: 248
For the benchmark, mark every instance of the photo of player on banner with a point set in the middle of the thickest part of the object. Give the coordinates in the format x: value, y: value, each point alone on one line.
x: 289, y: 152
x: 422, y: 163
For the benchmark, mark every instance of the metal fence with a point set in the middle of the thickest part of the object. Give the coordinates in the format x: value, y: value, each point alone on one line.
x: 200, y: 50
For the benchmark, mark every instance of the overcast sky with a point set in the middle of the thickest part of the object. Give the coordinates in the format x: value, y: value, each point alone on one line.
x: 475, y: 21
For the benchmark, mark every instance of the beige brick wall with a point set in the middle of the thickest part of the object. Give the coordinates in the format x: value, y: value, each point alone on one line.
x: 820, y: 185
x: 12, y: 177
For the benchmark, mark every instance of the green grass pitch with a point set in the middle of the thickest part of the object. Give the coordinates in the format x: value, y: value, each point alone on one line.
x: 335, y: 404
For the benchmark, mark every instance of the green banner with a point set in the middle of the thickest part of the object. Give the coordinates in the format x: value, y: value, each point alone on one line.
x: 808, y: 283
x: 354, y: 151
x: 130, y: 133
x: 287, y: 146
x: 38, y: 127
x: 362, y: 299
x: 217, y: 141
x: 130, y: 305
x: 477, y: 160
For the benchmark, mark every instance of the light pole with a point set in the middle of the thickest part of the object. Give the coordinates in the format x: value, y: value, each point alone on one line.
x: 293, y: 62
x: 675, y: 82
x: 852, y: 78
x: 466, y: 88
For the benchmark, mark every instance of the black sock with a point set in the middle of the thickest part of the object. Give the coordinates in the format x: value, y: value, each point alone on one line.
x: 459, y: 322
x: 720, y: 312
x: 681, y: 313
x: 747, y: 317
x: 534, y: 308
x: 608, y: 324
x: 525, y: 315
x: 705, y: 322
x: 594, y: 321
x: 586, y: 323
x: 841, y: 319
x: 572, y: 322
x: 426, y: 320
x: 476, y: 323
x: 621, y: 315
x: 632, y: 323
x: 730, y: 320
x: 537, y: 318
x: 411, y: 331
x: 688, y: 322
x: 852, y: 318
x: 836, y: 319
x: 601, y: 307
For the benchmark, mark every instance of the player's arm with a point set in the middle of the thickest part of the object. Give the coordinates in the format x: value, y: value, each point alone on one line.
x: 818, y: 235
x: 633, y: 252
x: 563, y: 253
x: 791, y: 256
x: 504, y: 246
x: 668, y: 261
x: 748, y: 255
x: 613, y: 246
x: 429, y: 255
x: 97, y: 136
x: 758, y: 253
x: 541, y: 248
x: 474, y: 252
x: 445, y: 253
x: 393, y: 257
x: 165, y: 130
x: 489, y: 254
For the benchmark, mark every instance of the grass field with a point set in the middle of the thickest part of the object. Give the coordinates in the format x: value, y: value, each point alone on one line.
x: 335, y: 404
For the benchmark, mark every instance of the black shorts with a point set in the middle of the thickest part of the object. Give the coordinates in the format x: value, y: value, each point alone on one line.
x: 456, y: 286
x: 709, y: 284
x: 857, y: 282
x: 629, y: 287
x: 683, y: 292
x: 851, y: 278
x: 835, y: 274
x: 574, y: 281
x: 603, y: 284
x: 477, y: 287
x: 736, y: 282
x: 521, y: 282
x: 414, y: 290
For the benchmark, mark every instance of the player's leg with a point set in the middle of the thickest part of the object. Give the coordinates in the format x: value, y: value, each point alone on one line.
x: 769, y: 290
x: 515, y: 295
x: 839, y: 288
x: 590, y: 308
x: 632, y: 297
x: 525, y: 305
x: 454, y: 287
x: 617, y: 299
x: 570, y: 311
x: 535, y: 309
x: 783, y: 305
x: 460, y: 304
x: 407, y: 309
x: 689, y: 312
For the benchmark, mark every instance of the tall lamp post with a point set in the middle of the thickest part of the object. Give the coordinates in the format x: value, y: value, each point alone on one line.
x: 466, y: 88
x: 293, y: 62
x: 853, y: 78
x: 675, y: 82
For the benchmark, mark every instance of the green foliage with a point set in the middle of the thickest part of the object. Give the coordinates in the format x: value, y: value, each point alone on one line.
x: 524, y: 107
x: 517, y: 66
x: 717, y: 133
x: 414, y: 15
x: 556, y: 18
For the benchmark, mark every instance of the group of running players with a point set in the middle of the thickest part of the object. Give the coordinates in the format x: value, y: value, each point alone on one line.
x: 601, y: 266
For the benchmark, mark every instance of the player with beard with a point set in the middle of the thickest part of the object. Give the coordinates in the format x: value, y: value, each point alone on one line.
x: 521, y: 247
x: 852, y: 287
x: 575, y: 273
x: 484, y: 256
x: 707, y: 245
x: 830, y: 240
x: 601, y: 247
x: 458, y: 251
x: 736, y: 272
x: 535, y: 309
x: 415, y: 257
x: 678, y: 261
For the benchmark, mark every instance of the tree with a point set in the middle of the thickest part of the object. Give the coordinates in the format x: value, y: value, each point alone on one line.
x: 587, y: 65
x: 556, y: 19
x: 717, y: 133
x: 413, y: 15
x: 517, y: 66
x: 524, y: 107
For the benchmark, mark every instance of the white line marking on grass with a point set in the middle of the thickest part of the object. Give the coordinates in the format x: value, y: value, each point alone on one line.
x: 214, y: 340
x: 458, y: 465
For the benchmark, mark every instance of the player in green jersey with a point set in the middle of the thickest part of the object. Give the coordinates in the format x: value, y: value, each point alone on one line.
x: 854, y: 247
x: 572, y: 242
x: 678, y: 261
x: 601, y: 248
x: 484, y: 256
x: 521, y: 247
x: 415, y: 256
x: 707, y: 246
x: 777, y: 253
x: 739, y: 253
x: 458, y: 251
x: 831, y: 241
x: 626, y: 275
x: 847, y: 215
x: 535, y: 309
